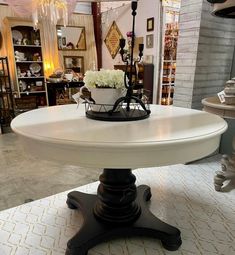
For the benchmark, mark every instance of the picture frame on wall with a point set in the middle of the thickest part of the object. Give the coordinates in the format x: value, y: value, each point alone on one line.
x: 150, y: 24
x: 112, y: 39
x: 76, y: 63
x: 149, y: 41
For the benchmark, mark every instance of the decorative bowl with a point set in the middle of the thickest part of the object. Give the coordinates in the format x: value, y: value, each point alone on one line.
x: 55, y: 80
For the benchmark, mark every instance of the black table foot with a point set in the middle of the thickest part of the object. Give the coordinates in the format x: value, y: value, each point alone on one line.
x: 103, y: 222
x: 118, y: 210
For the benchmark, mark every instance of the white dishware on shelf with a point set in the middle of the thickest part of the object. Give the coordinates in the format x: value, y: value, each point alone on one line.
x: 35, y: 68
x: 69, y: 76
x: 17, y: 36
x: 29, y: 73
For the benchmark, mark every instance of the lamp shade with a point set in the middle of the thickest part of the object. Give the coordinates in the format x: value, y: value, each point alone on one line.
x: 223, y: 8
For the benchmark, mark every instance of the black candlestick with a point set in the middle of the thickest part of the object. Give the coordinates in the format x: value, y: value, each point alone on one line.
x: 128, y: 107
x: 130, y: 70
x: 122, y: 43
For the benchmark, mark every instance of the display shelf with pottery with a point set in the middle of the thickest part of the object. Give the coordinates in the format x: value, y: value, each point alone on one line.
x: 26, y: 52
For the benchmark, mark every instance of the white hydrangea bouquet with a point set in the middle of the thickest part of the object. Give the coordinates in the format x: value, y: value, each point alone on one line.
x: 105, y: 88
x: 104, y: 78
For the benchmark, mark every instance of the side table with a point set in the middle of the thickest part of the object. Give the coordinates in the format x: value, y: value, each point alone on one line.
x: 213, y: 105
x: 52, y: 87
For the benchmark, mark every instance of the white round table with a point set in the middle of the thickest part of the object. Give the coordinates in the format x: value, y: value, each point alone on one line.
x: 170, y: 135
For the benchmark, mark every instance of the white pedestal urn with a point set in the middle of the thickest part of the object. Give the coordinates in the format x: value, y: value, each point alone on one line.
x: 105, y: 98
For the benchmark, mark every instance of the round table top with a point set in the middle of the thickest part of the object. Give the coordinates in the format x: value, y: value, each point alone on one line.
x: 213, y: 105
x: 170, y: 135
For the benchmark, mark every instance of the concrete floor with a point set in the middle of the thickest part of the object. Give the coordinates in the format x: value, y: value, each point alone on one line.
x: 24, y: 177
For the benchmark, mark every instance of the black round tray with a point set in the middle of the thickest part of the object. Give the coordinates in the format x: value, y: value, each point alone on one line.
x: 135, y: 113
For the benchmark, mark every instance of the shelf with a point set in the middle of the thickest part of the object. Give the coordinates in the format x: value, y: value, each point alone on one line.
x: 5, y: 93
x: 168, y: 84
x: 32, y: 77
x: 169, y: 61
x: 28, y: 61
x: 3, y: 76
x: 169, y: 76
x: 168, y: 90
x: 172, y: 36
x: 31, y: 46
x: 32, y: 92
x: 169, y: 66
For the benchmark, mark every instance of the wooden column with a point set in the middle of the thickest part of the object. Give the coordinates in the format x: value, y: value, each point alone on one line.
x: 96, y: 12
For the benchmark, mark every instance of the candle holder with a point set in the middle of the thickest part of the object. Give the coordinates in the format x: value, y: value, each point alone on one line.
x: 130, y: 70
x: 130, y: 107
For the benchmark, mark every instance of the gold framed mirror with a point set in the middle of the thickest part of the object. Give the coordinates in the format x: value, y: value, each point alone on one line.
x: 71, y: 38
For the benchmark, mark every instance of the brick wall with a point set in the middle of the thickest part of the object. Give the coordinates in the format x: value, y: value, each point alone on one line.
x: 204, y: 55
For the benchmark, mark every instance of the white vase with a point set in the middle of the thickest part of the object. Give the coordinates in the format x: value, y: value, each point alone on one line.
x: 104, y: 98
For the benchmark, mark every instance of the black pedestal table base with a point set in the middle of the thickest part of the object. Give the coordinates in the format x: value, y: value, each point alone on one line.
x: 119, y: 209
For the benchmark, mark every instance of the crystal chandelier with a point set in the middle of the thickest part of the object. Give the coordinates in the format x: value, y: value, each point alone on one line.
x: 54, y: 10
x: 51, y: 10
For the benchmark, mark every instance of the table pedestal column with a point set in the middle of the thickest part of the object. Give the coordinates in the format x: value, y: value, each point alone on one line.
x: 119, y: 209
x: 228, y: 169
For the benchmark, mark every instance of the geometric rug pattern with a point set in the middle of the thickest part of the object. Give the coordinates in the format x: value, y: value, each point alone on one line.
x: 182, y: 195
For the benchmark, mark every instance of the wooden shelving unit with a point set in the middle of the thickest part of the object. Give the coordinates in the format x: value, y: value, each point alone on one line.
x: 6, y: 96
x: 169, y: 49
x: 26, y: 56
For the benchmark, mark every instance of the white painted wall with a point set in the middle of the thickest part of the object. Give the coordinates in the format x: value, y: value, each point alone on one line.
x: 204, y: 55
x: 107, y: 5
x: 123, y: 18
x: 84, y: 8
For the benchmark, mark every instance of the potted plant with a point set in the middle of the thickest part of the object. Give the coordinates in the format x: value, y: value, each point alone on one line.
x: 106, y: 86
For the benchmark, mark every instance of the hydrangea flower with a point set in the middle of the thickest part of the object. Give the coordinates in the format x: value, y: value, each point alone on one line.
x: 104, y: 79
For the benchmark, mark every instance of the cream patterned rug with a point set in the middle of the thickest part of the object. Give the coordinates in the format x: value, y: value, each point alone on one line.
x: 182, y: 195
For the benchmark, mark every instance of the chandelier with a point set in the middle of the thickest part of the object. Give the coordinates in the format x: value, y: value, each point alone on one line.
x: 50, y: 10
x: 54, y: 10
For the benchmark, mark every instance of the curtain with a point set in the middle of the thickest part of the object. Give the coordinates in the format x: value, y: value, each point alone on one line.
x: 49, y: 47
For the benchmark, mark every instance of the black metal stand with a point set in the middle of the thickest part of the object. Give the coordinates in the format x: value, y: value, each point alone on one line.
x: 127, y: 113
x: 118, y: 210
x: 135, y: 112
x: 129, y: 97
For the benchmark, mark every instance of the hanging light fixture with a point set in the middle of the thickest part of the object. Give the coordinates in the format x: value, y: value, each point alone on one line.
x: 52, y: 10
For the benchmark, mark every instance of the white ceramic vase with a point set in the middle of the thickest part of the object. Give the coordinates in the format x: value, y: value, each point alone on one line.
x: 104, y: 98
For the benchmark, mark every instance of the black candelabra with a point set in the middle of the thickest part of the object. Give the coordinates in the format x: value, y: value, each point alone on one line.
x: 130, y: 69
x: 129, y: 107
